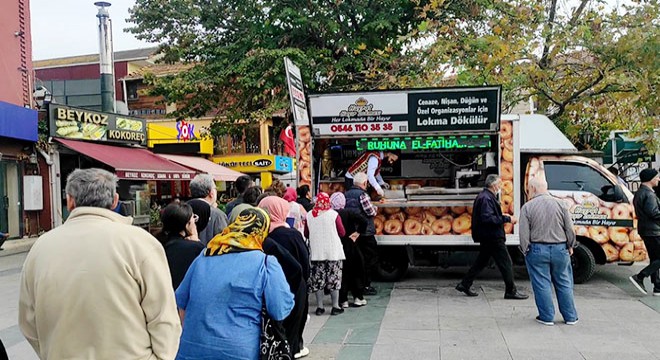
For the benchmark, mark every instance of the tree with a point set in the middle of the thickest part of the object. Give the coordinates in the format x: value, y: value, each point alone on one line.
x: 238, y: 49
x: 589, y: 68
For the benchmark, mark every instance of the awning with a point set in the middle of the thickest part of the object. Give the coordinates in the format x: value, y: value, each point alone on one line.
x: 131, y: 163
x: 219, y: 172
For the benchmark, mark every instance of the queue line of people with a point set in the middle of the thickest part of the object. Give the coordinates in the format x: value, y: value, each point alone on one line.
x: 176, y: 296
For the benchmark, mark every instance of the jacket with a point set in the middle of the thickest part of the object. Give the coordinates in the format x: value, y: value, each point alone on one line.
x: 217, y: 223
x: 222, y: 297
x: 647, y: 208
x: 180, y: 254
x: 98, y: 288
x: 487, y: 219
x: 353, y: 202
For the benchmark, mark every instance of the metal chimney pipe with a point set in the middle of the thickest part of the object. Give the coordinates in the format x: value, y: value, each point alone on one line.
x: 106, y: 58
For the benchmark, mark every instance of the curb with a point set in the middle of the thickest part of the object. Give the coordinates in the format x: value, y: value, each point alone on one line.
x: 19, y: 246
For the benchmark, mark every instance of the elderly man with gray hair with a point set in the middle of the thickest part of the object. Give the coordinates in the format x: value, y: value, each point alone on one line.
x: 98, y: 287
x: 547, y: 239
x: 488, y: 230
x: 203, y: 188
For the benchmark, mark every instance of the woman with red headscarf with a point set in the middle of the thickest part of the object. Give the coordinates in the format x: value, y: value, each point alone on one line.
x: 324, y: 230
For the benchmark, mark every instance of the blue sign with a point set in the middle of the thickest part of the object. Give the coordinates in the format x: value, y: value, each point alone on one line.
x: 283, y: 164
x: 18, y: 122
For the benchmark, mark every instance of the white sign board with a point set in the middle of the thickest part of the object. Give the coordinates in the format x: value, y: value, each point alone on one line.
x: 33, y: 193
x: 296, y: 93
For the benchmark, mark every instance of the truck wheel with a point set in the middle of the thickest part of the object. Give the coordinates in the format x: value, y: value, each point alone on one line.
x: 391, y: 267
x: 584, y: 264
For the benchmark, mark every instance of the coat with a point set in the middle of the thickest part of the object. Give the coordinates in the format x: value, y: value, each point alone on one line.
x: 487, y: 219
x: 98, y: 287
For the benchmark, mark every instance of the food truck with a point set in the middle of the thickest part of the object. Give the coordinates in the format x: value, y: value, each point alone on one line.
x: 447, y: 141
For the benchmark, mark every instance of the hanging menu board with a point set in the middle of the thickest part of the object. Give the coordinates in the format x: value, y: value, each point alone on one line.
x: 475, y: 109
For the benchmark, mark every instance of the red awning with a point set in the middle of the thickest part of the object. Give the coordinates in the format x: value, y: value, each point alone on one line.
x: 219, y: 172
x: 131, y: 163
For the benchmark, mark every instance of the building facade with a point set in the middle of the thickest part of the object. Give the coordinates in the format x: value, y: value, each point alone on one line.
x: 24, y: 208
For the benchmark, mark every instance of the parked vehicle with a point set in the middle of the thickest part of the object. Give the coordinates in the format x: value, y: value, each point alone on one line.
x: 448, y: 141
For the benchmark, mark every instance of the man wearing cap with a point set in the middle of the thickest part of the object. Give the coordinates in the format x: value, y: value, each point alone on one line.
x: 647, y: 208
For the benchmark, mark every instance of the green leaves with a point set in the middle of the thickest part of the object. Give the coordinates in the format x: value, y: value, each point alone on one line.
x: 587, y: 67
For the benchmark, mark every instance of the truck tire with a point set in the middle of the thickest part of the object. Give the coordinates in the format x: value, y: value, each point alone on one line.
x: 391, y: 266
x: 584, y: 264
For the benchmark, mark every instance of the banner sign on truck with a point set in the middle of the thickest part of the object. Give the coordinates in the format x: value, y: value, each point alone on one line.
x: 410, y: 111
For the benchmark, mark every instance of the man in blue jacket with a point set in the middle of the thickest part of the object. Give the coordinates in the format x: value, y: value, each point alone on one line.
x: 488, y: 231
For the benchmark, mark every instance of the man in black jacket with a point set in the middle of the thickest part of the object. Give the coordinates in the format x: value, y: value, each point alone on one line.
x: 647, y: 208
x: 488, y: 231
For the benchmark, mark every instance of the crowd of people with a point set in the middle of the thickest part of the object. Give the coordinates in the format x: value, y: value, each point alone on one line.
x: 205, y: 287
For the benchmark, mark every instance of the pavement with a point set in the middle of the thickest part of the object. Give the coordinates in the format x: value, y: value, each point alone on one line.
x: 16, y: 246
x: 424, y: 317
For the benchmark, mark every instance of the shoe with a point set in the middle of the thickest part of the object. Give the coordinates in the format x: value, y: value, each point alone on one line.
x: 516, y: 296
x: 639, y: 283
x: 656, y: 292
x: 460, y: 287
x: 344, y: 305
x: 573, y: 322
x: 546, y: 323
x: 320, y: 311
x: 370, y: 291
x: 303, y: 352
x: 359, y: 302
x: 336, y: 311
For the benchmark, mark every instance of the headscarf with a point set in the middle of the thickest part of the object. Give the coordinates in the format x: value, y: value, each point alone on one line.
x: 237, y: 210
x: 290, y: 194
x: 248, y: 232
x: 203, y: 210
x: 338, y: 201
x: 322, y: 203
x: 277, y: 209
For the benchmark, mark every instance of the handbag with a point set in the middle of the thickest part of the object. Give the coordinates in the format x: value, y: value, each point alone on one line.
x: 273, y: 343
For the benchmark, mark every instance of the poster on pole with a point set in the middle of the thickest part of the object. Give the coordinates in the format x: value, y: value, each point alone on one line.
x: 296, y: 93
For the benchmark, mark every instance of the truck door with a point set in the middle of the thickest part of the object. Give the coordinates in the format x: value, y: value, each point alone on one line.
x: 601, y: 212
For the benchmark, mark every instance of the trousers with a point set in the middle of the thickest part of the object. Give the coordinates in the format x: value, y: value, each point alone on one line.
x: 550, y: 265
x: 652, y: 244
x: 497, y: 250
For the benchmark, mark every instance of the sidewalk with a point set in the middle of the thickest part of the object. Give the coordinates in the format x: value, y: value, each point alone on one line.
x: 16, y: 246
x: 424, y: 317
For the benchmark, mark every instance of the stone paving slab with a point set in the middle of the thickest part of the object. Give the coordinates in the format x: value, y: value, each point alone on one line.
x: 424, y: 317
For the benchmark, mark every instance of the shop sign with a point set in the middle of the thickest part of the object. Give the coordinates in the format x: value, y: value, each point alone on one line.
x: 428, y: 143
x: 402, y: 112
x: 82, y: 124
x: 153, y: 175
x: 185, y: 131
x: 283, y: 164
x: 257, y: 163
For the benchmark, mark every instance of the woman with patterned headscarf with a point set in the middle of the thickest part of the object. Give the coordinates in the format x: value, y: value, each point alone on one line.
x: 221, y: 297
x: 324, y: 230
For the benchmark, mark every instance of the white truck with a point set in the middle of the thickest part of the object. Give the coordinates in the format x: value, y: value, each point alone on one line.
x: 447, y: 141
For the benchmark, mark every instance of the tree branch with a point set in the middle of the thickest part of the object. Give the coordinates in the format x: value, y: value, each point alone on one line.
x: 548, y: 37
x: 578, y: 12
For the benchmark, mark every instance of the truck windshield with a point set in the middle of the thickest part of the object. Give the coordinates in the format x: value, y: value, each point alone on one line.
x: 578, y: 177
